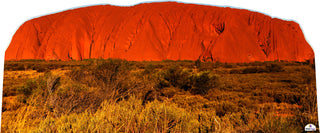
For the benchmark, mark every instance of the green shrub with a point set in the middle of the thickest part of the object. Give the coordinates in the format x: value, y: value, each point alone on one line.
x: 74, y: 98
x: 105, y: 73
x: 176, y: 77
x: 27, y: 88
x: 198, y: 83
x: 202, y: 82
x: 109, y: 69
x: 161, y: 82
x: 31, y: 87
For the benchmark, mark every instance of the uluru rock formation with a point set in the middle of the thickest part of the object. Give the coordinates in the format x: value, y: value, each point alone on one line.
x: 159, y: 31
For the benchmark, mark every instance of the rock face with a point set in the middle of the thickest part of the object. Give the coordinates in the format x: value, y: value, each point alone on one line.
x: 159, y: 31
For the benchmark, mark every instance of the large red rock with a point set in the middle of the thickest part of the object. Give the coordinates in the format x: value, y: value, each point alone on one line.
x: 159, y: 31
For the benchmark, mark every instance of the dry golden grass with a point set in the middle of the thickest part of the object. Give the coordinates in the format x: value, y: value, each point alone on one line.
x: 168, y: 96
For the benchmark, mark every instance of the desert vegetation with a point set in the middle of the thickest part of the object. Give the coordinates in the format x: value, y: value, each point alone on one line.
x: 157, y: 96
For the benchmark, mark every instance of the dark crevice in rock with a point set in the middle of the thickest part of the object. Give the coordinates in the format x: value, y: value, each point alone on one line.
x: 219, y: 28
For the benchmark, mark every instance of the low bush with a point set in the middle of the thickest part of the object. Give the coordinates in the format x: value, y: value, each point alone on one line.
x: 274, y: 67
x: 176, y: 77
x: 254, y: 69
x: 105, y: 73
x: 40, y: 68
x: 196, y: 83
x: 229, y: 65
x: 149, y: 69
x: 225, y: 107
x: 202, y: 82
x: 28, y: 88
